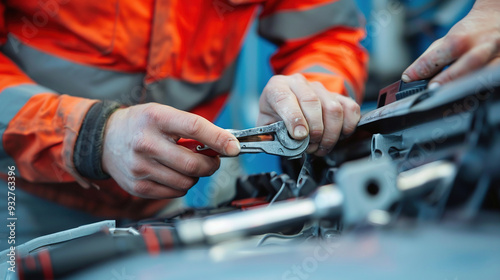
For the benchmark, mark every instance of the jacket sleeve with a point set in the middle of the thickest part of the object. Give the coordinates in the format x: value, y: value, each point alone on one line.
x: 53, y: 139
x: 38, y: 127
x: 320, y: 39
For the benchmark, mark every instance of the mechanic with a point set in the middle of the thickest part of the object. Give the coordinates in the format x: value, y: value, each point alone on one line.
x: 163, y: 68
x: 474, y: 42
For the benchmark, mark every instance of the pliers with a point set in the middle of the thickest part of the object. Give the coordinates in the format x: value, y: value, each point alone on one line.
x: 271, y: 139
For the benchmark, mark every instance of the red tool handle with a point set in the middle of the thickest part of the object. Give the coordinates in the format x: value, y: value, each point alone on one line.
x: 194, y: 146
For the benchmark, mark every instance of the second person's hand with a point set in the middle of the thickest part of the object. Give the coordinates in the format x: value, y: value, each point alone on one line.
x: 472, y: 43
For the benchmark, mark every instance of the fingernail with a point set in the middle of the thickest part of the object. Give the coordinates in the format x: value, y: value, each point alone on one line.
x: 233, y: 147
x: 434, y: 85
x: 300, y: 131
x: 405, y: 78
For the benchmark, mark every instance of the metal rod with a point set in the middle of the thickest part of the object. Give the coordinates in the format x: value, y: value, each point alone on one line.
x: 326, y: 202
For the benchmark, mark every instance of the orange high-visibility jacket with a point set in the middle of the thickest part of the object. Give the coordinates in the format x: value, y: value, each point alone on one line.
x: 60, y: 58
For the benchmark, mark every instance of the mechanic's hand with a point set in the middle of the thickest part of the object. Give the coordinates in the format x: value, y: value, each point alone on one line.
x: 308, y: 108
x: 472, y: 43
x: 141, y: 154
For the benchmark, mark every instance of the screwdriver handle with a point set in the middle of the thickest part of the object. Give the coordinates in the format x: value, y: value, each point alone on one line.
x: 197, y: 147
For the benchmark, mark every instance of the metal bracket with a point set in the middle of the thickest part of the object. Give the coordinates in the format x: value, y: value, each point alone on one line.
x: 367, y: 185
x: 384, y: 146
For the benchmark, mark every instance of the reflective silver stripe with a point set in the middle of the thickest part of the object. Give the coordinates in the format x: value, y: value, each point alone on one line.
x: 12, y: 99
x: 350, y: 90
x: 184, y: 95
x: 71, y: 78
x: 286, y: 25
x: 317, y: 69
x: 321, y: 69
x: 74, y: 79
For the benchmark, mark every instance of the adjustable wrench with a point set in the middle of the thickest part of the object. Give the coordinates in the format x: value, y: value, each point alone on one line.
x: 271, y: 139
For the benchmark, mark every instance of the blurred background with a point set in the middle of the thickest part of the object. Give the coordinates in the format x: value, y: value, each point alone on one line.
x: 398, y: 31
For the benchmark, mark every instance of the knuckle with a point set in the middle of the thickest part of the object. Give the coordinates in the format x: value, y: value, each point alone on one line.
x: 298, y: 76
x: 186, y: 183
x: 138, y: 170
x: 456, y: 39
x: 317, y: 84
x: 316, y: 133
x: 309, y: 97
x: 193, y: 126
x: 354, y: 107
x: 141, y: 144
x: 142, y: 188
x: 457, y: 44
x: 334, y: 109
x: 191, y: 166
x: 277, y: 79
x: 150, y: 113
x: 279, y: 96
x: 220, y: 140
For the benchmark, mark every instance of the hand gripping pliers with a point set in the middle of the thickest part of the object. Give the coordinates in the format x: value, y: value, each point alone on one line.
x: 272, y: 139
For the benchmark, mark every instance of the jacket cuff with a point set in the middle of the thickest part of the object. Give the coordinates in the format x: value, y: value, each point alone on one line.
x: 87, y: 155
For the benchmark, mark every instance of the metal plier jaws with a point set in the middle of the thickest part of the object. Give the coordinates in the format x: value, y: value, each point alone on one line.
x: 271, y: 139
x: 282, y: 144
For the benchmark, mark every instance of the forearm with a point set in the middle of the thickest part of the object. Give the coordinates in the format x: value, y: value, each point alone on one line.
x: 487, y: 5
